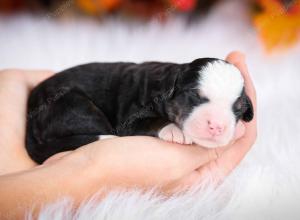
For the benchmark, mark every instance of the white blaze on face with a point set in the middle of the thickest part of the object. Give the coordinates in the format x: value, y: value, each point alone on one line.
x: 212, y: 124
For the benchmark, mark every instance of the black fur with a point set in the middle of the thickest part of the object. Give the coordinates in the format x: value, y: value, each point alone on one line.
x: 243, y: 108
x: 75, y: 106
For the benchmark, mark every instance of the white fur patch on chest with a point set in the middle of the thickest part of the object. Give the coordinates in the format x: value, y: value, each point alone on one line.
x: 220, y: 81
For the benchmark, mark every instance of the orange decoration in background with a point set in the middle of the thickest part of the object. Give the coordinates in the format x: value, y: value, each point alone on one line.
x: 278, y: 24
x: 94, y: 7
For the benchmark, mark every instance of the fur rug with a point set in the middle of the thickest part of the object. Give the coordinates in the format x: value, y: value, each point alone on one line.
x: 264, y: 186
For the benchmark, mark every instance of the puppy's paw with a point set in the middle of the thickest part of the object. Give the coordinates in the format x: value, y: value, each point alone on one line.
x: 102, y: 137
x: 172, y: 133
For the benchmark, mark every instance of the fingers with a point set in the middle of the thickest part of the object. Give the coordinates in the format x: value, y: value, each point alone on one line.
x: 239, y: 131
x: 189, y: 158
x: 34, y: 77
x: 235, y: 56
x: 150, y: 155
x: 236, y: 151
x: 31, y: 77
x: 238, y: 59
x: 245, y: 142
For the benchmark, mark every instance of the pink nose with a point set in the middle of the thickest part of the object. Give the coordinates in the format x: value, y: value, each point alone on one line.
x: 215, y: 128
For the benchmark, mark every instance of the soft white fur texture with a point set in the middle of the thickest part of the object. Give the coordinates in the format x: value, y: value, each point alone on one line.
x: 220, y: 80
x: 264, y: 186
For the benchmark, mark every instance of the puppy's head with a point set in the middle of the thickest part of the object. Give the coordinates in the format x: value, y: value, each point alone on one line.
x: 211, y: 108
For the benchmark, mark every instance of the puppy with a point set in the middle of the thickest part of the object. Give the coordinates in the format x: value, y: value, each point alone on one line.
x: 198, y: 102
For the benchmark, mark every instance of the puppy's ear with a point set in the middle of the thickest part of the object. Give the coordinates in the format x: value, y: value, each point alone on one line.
x: 248, y: 114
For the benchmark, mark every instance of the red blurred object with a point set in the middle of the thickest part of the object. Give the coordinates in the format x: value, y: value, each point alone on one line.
x: 184, y: 5
x: 144, y: 9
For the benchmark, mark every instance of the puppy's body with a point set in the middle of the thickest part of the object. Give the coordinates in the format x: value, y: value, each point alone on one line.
x: 76, y: 106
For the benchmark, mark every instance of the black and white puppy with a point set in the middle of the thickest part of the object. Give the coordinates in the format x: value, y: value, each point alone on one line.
x: 198, y: 102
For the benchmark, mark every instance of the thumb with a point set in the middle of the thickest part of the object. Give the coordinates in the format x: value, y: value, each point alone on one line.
x: 196, y: 156
x: 34, y: 77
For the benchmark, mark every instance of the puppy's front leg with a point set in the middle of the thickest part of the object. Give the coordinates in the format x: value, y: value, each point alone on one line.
x: 172, y: 133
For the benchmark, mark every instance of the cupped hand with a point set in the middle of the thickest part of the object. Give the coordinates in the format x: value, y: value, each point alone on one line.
x: 246, y: 134
x: 221, y: 167
x: 138, y: 161
x: 147, y: 162
x: 123, y: 162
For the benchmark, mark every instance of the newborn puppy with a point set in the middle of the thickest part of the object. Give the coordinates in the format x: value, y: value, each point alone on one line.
x: 198, y: 102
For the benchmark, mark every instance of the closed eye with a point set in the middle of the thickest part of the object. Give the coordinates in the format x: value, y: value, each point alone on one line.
x: 200, y: 99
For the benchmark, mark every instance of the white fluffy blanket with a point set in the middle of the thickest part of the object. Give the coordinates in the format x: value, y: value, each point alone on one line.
x: 266, y: 185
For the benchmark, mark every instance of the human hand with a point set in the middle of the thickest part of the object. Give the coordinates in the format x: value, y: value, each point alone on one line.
x: 131, y: 161
x: 246, y: 133
x: 15, y: 86
x: 146, y: 162
x: 237, y: 151
x: 143, y: 162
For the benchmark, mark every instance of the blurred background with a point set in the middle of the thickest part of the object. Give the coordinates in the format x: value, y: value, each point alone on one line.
x: 59, y: 33
x: 56, y: 34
